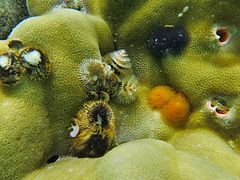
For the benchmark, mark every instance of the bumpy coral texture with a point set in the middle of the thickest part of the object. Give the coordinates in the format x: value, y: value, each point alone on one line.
x: 36, y: 115
x: 139, y: 120
x: 11, y: 13
x: 201, y: 68
x: 208, y: 66
x: 161, y: 160
x: 36, y: 7
x: 129, y: 124
x: 25, y: 136
x: 209, y: 145
x: 39, y: 113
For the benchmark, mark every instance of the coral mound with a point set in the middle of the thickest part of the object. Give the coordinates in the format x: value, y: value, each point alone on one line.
x: 36, y: 114
x: 145, y: 159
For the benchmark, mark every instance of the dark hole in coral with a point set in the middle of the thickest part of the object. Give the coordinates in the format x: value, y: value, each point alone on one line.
x: 52, y: 159
x: 15, y: 44
x: 223, y: 34
x: 167, y: 40
x: 100, y: 111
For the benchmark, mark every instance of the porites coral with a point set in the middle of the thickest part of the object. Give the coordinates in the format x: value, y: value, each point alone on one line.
x: 69, y: 37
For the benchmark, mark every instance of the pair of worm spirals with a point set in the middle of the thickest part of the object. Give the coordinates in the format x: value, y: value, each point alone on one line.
x: 20, y: 60
x: 112, y: 75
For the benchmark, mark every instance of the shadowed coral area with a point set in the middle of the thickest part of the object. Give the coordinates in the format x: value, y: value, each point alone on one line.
x: 11, y: 13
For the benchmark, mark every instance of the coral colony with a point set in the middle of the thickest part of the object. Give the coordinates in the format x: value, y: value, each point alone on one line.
x: 105, y: 89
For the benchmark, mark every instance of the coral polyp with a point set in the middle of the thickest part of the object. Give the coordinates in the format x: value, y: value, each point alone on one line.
x: 160, y: 96
x: 128, y: 90
x: 10, y: 69
x: 35, y: 63
x: 94, y: 129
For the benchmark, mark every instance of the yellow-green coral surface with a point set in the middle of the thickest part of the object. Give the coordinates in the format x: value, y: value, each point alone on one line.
x: 140, y: 121
x: 208, y: 145
x: 203, y: 68
x: 36, y: 8
x: 141, y: 159
x: 36, y: 115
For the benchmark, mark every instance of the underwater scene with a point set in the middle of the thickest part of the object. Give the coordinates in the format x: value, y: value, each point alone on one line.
x: 120, y: 89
